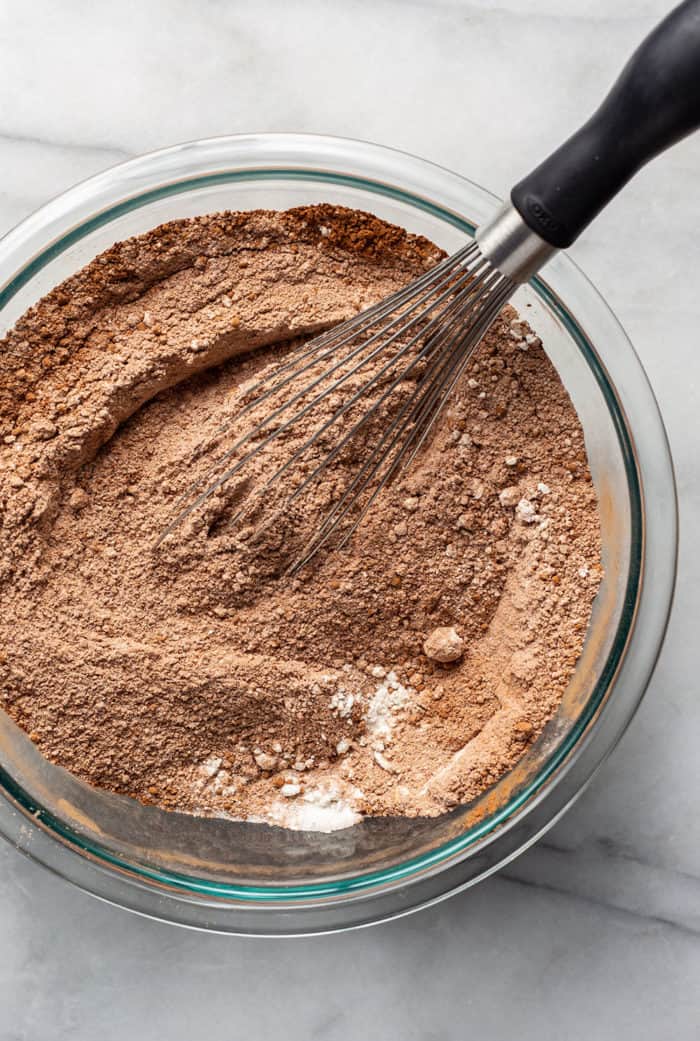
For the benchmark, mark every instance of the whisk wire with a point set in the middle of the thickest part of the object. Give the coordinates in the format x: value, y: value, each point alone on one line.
x: 398, y: 428
x: 352, y: 328
x: 294, y: 367
x: 437, y: 321
x: 444, y: 388
x: 429, y: 348
x: 397, y: 463
x: 378, y: 337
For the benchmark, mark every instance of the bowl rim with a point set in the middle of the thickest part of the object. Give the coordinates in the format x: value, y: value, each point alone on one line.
x: 378, y: 895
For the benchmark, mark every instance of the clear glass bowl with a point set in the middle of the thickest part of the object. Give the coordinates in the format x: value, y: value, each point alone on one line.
x: 253, y: 878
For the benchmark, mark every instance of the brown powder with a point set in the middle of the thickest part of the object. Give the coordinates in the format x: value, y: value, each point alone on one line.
x: 198, y: 676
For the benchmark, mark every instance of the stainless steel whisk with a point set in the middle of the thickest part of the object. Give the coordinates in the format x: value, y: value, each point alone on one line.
x: 418, y: 341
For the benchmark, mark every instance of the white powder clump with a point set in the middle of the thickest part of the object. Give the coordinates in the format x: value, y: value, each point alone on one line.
x: 388, y: 698
x: 342, y: 702
x: 264, y: 760
x: 526, y: 512
x: 509, y: 496
x: 381, y: 760
x: 211, y: 766
x: 325, y: 808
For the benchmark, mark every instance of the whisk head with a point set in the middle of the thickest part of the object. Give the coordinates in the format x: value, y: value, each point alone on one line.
x: 366, y: 394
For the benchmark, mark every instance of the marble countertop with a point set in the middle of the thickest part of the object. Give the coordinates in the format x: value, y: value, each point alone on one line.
x: 594, y: 933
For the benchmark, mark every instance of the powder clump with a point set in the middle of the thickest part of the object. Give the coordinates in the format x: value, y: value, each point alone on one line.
x: 444, y: 645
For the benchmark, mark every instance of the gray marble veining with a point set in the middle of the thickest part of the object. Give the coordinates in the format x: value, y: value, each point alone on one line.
x: 595, y: 931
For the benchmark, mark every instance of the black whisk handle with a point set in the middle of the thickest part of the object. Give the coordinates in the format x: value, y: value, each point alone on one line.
x: 654, y: 103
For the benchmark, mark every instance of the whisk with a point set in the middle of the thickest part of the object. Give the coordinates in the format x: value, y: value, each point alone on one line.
x: 389, y: 371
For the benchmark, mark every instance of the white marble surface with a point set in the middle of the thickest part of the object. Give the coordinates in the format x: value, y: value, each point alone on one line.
x: 595, y: 933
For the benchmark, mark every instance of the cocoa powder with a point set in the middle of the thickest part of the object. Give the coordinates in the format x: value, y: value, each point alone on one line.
x: 199, y: 676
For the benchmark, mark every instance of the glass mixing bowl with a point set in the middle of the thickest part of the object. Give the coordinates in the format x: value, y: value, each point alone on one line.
x: 253, y: 878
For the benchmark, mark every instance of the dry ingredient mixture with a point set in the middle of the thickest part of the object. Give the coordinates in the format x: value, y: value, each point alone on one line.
x: 403, y: 675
